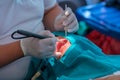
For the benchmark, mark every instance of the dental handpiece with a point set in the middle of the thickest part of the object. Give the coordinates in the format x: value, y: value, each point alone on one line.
x: 66, y: 14
x: 26, y: 34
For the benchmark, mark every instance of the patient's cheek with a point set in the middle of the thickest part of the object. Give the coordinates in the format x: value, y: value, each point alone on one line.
x: 61, y: 46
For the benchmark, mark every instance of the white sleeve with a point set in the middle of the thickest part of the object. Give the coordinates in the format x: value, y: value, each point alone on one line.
x: 49, y: 3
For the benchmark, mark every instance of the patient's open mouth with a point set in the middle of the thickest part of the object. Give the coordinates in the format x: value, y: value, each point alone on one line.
x: 61, y: 46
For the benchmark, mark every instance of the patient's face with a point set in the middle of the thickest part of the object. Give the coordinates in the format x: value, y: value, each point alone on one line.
x: 111, y: 77
x: 61, y: 46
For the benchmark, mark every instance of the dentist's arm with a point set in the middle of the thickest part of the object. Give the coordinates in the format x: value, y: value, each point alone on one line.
x: 10, y: 52
x: 50, y: 16
x: 39, y: 48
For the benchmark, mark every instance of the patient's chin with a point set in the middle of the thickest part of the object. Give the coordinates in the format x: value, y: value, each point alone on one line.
x: 61, y: 47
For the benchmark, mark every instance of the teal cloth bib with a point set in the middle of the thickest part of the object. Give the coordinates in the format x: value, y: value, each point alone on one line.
x: 82, y: 61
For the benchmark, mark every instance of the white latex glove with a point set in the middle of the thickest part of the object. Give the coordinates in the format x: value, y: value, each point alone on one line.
x: 40, y: 48
x: 66, y: 20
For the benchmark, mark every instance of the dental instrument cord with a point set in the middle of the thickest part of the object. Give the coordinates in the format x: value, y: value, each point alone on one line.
x: 43, y: 66
x: 26, y: 34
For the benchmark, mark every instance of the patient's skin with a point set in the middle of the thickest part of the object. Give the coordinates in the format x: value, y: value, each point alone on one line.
x: 61, y: 46
x: 111, y: 77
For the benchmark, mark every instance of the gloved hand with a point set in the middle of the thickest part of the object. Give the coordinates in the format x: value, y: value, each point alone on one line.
x: 66, y: 20
x: 40, y: 48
